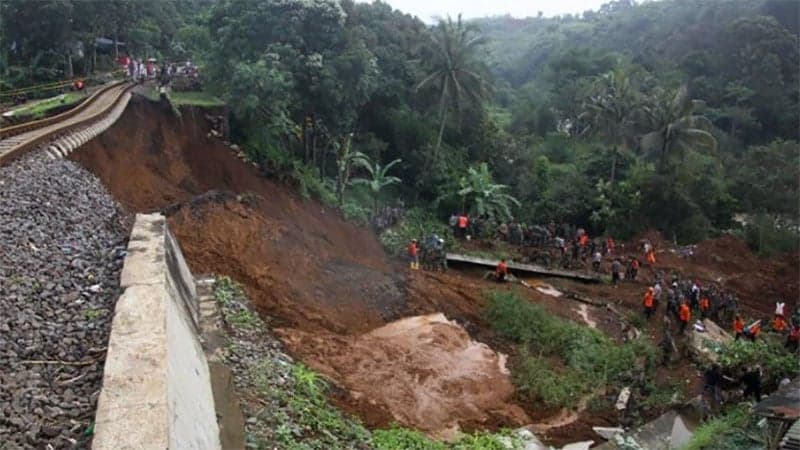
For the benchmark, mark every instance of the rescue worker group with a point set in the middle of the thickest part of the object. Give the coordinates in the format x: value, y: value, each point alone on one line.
x: 684, y: 298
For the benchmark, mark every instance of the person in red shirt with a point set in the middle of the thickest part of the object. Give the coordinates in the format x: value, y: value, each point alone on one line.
x: 501, y: 271
x: 633, y: 269
x: 649, y: 304
x: 685, y: 315
x: 463, y: 223
x: 413, y: 254
x: 738, y: 326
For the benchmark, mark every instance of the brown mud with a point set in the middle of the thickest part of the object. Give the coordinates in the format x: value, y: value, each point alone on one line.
x: 330, y: 291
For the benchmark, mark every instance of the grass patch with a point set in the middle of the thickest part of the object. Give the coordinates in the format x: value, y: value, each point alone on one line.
x: 561, y: 361
x: 234, y: 313
x: 195, y: 98
x: 398, y: 438
x: 40, y: 109
x: 305, y: 419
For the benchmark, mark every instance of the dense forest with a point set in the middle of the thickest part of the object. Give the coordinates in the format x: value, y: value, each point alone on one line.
x: 676, y: 115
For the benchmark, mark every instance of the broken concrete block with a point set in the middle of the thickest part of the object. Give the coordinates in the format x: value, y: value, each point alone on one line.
x: 622, y: 400
x: 608, y: 432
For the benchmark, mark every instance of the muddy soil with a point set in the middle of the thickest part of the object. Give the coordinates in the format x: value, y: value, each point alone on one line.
x: 328, y: 287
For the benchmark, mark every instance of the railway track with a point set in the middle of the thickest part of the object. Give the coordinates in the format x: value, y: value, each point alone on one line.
x: 72, y: 127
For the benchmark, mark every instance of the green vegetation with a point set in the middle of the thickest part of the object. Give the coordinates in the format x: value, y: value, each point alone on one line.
x: 40, y: 109
x: 639, y: 115
x: 234, y: 313
x: 769, y: 353
x: 417, y: 223
x: 194, y: 98
x: 560, y: 362
x: 397, y: 438
x: 724, y: 432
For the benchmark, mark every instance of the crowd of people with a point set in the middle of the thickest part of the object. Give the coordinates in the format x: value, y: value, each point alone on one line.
x: 139, y: 70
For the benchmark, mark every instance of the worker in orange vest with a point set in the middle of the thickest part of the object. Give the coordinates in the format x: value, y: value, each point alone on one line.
x: 753, y: 331
x: 501, y: 271
x: 651, y: 256
x: 705, y: 306
x: 685, y: 315
x: 738, y: 326
x: 413, y: 254
x: 779, y: 324
x: 463, y: 223
x: 649, y: 304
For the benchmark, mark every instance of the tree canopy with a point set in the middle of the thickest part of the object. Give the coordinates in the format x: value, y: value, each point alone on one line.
x: 676, y: 114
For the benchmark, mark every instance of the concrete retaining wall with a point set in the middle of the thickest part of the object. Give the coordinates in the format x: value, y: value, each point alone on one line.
x: 156, y: 387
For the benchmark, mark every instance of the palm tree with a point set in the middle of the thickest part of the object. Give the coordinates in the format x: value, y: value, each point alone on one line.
x: 455, y: 68
x: 486, y: 197
x: 610, y: 112
x: 676, y: 128
x: 379, y: 177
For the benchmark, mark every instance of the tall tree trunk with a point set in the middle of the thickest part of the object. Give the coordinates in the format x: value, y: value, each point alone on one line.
x: 116, y: 46
x: 68, y: 73
x: 613, y: 165
x: 94, y: 58
x: 443, y: 117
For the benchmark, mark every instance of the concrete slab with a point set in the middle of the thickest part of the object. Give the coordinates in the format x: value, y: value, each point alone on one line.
x: 145, y: 249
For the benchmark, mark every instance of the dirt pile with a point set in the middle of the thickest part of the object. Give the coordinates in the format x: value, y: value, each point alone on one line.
x: 425, y: 371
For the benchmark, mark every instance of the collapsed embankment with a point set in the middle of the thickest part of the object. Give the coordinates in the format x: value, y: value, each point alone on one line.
x: 327, y: 287
x: 310, y: 273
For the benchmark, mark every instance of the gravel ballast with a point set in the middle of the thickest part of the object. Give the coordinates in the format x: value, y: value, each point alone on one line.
x: 62, y: 243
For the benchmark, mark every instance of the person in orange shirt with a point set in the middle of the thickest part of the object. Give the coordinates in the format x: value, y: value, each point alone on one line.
x: 685, y: 315
x: 463, y: 223
x: 502, y: 271
x: 649, y: 304
x: 651, y: 256
x: 779, y: 324
x: 413, y: 254
x: 705, y: 306
x: 738, y: 326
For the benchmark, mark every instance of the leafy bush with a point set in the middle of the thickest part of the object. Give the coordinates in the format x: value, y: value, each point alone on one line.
x: 776, y: 362
x: 720, y: 431
x: 416, y: 224
x: 310, y: 184
x: 354, y: 212
x: 589, y: 358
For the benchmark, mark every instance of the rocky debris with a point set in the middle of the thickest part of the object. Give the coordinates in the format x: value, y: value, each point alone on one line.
x: 62, y: 242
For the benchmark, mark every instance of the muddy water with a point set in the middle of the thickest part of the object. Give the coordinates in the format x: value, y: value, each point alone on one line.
x: 425, y: 370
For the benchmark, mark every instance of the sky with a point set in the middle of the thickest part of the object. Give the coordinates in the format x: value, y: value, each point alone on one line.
x: 427, y: 9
